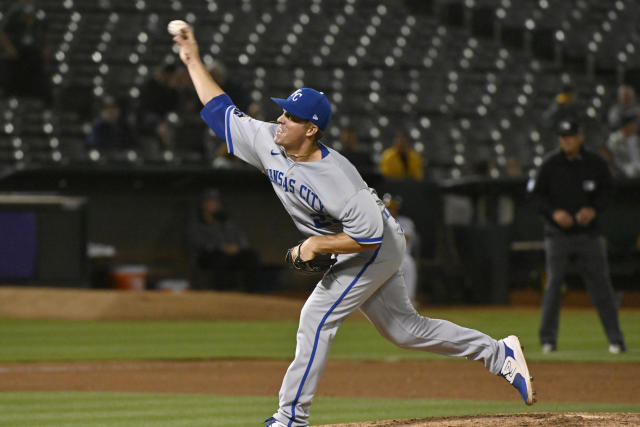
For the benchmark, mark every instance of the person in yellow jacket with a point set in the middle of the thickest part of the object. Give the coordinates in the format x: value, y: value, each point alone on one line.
x: 400, y: 161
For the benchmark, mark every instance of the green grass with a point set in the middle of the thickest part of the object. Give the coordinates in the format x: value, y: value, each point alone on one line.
x: 176, y: 410
x: 581, y: 338
x: 53, y: 340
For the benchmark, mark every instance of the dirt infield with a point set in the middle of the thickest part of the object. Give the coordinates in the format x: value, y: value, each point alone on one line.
x: 441, y: 379
x: 57, y: 303
x: 584, y: 382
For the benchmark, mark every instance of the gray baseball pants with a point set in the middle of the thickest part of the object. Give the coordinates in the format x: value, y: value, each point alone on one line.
x: 591, y: 258
x: 370, y: 281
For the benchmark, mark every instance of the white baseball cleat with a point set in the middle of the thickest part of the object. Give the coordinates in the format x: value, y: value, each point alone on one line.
x: 515, y: 369
x: 617, y: 348
x: 548, y: 348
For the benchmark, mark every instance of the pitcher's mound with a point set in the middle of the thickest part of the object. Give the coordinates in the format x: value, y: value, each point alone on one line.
x: 568, y: 419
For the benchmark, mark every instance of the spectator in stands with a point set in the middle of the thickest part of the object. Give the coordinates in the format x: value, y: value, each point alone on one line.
x: 191, y: 130
x: 194, y: 139
x: 626, y: 101
x: 236, y: 90
x: 189, y: 102
x: 513, y: 167
x: 110, y: 131
x: 361, y: 159
x: 408, y: 267
x: 221, y: 257
x: 563, y: 107
x: 158, y: 97
x: 400, y: 161
x: 571, y: 190
x: 23, y: 36
x: 624, y: 145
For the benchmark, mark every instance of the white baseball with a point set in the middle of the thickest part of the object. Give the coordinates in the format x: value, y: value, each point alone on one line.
x: 175, y: 26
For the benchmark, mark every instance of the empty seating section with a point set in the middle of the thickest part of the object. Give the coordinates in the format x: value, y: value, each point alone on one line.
x: 467, y: 79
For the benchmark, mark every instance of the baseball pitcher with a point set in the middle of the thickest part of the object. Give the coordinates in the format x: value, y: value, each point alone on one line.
x: 348, y: 230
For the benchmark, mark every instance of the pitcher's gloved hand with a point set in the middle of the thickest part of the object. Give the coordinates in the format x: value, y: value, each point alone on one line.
x: 319, y: 264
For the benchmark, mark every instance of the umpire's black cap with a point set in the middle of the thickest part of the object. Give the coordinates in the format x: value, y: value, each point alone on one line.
x: 569, y: 126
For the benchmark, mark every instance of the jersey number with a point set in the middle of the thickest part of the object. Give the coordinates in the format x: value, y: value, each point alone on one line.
x: 321, y: 220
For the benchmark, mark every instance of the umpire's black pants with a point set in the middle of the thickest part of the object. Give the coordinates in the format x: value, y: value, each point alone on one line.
x: 591, y: 258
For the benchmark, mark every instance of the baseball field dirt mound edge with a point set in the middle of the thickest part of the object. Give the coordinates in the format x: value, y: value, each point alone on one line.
x: 511, y: 420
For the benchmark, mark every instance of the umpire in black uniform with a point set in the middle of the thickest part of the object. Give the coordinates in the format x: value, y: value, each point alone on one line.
x: 571, y: 190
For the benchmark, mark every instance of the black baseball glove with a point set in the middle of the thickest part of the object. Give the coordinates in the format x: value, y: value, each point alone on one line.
x: 319, y: 264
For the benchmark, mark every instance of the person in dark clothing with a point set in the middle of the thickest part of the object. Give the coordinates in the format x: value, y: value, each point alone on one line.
x: 158, y: 97
x: 361, y: 159
x: 572, y: 189
x: 23, y: 36
x: 235, y: 88
x: 221, y: 255
x: 110, y: 131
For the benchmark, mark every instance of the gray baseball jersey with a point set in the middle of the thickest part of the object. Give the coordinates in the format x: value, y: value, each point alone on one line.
x: 307, y: 190
x: 326, y: 197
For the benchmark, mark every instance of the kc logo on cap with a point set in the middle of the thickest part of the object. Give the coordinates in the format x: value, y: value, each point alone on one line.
x: 296, y: 95
x: 308, y: 104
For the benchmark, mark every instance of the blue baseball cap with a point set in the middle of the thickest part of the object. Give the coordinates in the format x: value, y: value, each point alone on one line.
x: 308, y: 104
